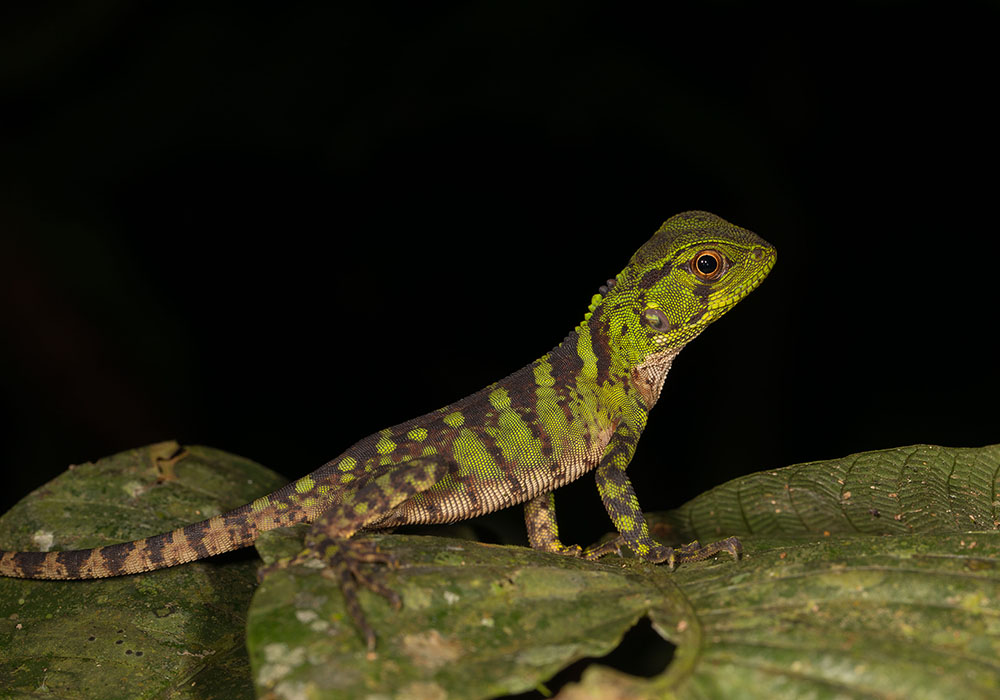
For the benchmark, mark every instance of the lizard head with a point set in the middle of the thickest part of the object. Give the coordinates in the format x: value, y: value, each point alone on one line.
x: 694, y: 269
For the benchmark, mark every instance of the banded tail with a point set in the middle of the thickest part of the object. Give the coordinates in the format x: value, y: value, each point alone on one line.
x: 222, y: 533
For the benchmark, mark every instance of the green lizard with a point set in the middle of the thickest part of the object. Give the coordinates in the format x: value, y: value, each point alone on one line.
x: 579, y: 407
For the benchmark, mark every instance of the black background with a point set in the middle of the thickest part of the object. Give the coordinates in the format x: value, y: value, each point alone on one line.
x: 274, y: 229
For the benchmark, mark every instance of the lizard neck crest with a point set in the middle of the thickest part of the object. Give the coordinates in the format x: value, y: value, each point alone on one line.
x: 694, y: 269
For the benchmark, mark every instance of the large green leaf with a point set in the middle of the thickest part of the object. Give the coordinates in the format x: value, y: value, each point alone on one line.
x: 172, y: 633
x: 870, y: 576
x: 477, y: 621
x: 904, y: 490
x: 822, y: 604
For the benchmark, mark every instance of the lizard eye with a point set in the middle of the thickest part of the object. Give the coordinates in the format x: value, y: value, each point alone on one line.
x: 656, y: 319
x: 708, y: 265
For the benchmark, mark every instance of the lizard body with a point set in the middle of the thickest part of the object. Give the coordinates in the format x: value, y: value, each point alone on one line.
x: 580, y: 407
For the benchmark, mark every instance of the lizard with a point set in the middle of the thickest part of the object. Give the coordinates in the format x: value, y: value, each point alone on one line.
x: 580, y: 407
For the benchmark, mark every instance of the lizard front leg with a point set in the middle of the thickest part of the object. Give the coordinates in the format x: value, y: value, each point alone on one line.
x: 329, y: 538
x: 622, y: 505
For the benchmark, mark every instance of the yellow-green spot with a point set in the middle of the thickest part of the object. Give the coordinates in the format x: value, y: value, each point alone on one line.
x: 346, y: 478
x: 615, y: 396
x: 455, y: 419
x: 260, y: 504
x: 613, y: 490
x: 361, y: 508
x: 417, y: 434
x: 625, y: 523
x: 543, y: 373
x: 323, y: 489
x: 309, y: 502
x: 304, y: 484
x: 499, y: 399
x: 550, y: 415
x: 347, y: 464
x: 384, y: 445
x: 519, y: 445
x: 586, y: 352
x: 472, y: 456
x: 428, y: 451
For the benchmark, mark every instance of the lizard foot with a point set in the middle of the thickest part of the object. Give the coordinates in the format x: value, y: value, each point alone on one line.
x: 345, y: 561
x: 693, y: 551
x: 567, y: 550
x: 596, y: 551
x: 671, y: 556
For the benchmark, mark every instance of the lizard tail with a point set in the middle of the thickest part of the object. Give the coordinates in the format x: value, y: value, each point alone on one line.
x: 222, y: 533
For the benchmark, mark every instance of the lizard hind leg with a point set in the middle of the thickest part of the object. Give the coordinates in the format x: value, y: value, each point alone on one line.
x: 346, y: 559
x: 543, y: 530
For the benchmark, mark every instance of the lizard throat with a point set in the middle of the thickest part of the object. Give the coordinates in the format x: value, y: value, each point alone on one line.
x: 649, y: 375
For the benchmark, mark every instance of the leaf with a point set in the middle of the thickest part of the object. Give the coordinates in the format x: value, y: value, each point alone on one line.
x: 862, y: 577
x: 907, y: 617
x: 172, y: 633
x: 477, y: 621
x: 904, y: 490
x: 818, y: 607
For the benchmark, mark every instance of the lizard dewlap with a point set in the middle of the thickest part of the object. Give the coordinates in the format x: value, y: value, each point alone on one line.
x: 580, y: 407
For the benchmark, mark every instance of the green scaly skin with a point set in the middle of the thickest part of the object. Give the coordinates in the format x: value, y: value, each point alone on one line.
x: 579, y: 407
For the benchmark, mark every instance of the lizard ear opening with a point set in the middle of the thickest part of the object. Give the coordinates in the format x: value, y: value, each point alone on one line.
x: 656, y: 319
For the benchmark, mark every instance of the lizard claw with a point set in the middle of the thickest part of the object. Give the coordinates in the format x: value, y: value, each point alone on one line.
x: 694, y: 551
x: 346, y: 561
x: 596, y: 551
x: 671, y: 556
